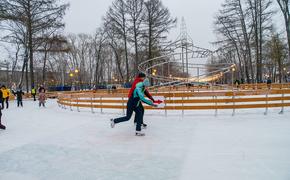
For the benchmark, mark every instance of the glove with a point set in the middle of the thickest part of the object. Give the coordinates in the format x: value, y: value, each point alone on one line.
x: 158, y: 102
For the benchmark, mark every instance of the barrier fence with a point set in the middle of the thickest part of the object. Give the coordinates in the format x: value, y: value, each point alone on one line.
x: 184, y: 101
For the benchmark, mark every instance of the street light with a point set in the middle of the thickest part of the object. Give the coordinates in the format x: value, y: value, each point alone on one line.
x: 76, y: 71
x: 233, y: 71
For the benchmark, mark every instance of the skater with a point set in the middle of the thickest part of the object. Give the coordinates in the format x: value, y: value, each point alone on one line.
x: 1, y: 125
x: 132, y: 105
x: 42, y: 98
x: 33, y: 93
x: 140, y: 78
x: 5, y: 96
x: 19, y: 93
x: 41, y: 88
x: 269, y: 82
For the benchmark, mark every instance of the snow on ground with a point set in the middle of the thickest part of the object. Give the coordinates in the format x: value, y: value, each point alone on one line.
x: 54, y: 143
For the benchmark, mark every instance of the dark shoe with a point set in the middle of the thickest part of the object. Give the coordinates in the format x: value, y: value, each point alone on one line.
x: 144, y: 126
x: 2, y: 127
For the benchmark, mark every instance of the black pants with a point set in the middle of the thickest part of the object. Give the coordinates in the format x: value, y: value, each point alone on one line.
x: 0, y: 115
x: 7, y: 102
x: 34, y: 99
x: 19, y: 103
x: 142, y: 110
x: 132, y: 107
x: 41, y: 104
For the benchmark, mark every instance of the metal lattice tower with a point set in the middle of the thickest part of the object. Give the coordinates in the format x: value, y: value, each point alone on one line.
x: 181, y: 54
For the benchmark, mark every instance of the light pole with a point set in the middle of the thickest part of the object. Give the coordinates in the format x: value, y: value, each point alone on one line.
x: 154, y: 74
x: 233, y: 71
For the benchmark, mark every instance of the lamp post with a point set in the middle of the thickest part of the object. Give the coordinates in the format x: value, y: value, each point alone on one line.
x: 233, y: 71
x: 154, y: 74
x: 284, y: 74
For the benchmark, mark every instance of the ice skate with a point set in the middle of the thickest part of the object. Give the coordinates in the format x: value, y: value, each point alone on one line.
x: 139, y: 133
x: 2, y: 127
x: 112, y: 123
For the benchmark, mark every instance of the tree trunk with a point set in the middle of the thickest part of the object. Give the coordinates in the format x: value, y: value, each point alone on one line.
x: 136, y: 49
x: 247, y: 43
x: 44, y: 68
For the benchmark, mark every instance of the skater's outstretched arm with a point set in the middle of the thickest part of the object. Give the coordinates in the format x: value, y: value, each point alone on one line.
x: 140, y: 94
x: 149, y: 95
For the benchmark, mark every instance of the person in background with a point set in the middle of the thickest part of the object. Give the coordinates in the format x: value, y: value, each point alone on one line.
x: 5, y: 96
x: 33, y: 93
x: 1, y: 125
x: 269, y: 82
x: 42, y: 98
x: 41, y: 88
x: 237, y: 83
x: 19, y: 93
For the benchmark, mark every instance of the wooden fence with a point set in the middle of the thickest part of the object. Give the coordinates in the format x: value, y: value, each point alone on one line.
x: 203, y: 100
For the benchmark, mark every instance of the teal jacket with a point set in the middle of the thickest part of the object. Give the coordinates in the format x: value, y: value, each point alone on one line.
x: 139, y: 92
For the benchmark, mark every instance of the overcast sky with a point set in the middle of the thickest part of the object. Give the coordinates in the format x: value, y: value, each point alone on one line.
x: 85, y: 15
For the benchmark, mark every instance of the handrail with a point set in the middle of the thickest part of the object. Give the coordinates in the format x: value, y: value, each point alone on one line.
x: 210, y: 100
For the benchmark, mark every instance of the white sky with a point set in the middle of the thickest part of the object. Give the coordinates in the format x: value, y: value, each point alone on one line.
x: 85, y: 15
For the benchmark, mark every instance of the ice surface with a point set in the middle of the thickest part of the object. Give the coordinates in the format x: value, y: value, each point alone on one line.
x: 57, y: 144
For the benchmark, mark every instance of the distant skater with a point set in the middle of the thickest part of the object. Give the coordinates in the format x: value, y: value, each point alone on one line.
x: 132, y: 105
x: 5, y: 96
x: 42, y: 98
x: 1, y: 99
x: 33, y: 93
x: 19, y: 93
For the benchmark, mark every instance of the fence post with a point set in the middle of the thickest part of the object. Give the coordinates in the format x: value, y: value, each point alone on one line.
x: 92, y: 98
x: 78, y: 108
x: 216, y: 110
x: 267, y: 102
x: 123, y: 105
x: 71, y: 96
x: 234, y: 103
x: 282, y: 109
x: 165, y: 107
x: 182, y: 106
x: 101, y: 102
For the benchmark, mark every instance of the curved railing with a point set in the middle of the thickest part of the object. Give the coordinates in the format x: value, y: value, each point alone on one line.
x: 203, y: 100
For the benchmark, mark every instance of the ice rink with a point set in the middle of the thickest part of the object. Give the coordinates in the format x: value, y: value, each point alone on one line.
x: 57, y: 144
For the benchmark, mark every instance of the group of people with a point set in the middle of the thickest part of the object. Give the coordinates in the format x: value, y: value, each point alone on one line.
x: 18, y: 93
x: 134, y: 104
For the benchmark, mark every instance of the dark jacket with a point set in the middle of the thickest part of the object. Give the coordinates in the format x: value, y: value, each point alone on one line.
x: 19, y: 93
x: 1, y: 96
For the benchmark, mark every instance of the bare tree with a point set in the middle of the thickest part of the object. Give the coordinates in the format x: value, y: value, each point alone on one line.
x: 30, y: 19
x: 158, y: 23
x: 231, y: 27
x: 261, y: 14
x: 117, y: 20
x: 135, y: 9
x: 276, y: 53
x: 285, y: 6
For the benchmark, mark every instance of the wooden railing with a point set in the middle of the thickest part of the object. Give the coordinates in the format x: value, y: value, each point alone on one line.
x: 204, y: 100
